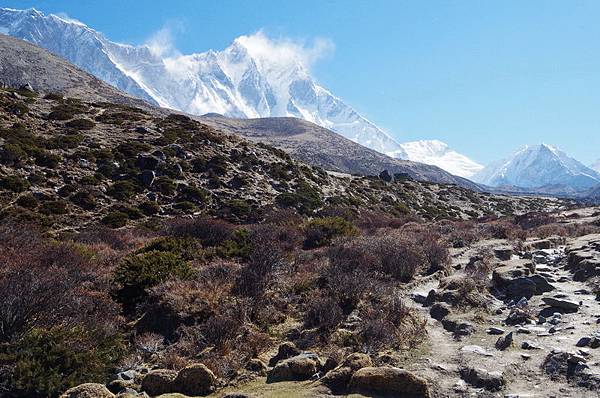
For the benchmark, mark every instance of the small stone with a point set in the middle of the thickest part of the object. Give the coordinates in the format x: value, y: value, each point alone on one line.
x: 504, y: 342
x: 583, y: 342
x: 495, y: 331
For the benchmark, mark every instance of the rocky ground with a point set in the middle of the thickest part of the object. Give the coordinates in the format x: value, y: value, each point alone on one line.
x: 532, y: 332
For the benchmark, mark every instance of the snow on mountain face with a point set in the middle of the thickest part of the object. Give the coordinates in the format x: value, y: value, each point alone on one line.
x: 439, y: 154
x: 596, y: 166
x: 538, y: 166
x: 240, y: 81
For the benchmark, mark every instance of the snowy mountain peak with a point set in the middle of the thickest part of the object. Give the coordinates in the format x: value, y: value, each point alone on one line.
x: 596, y: 165
x: 253, y: 77
x: 535, y: 166
x: 440, y: 154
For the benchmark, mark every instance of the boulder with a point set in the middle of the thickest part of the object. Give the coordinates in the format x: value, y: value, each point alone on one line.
x: 563, y: 304
x: 440, y: 310
x: 480, y: 378
x: 147, y: 161
x: 495, y: 330
x: 357, y: 361
x: 195, y: 380
x: 389, y: 381
x: 337, y: 380
x: 88, y: 390
x: 159, y: 381
x: 503, y: 253
x: 504, y: 342
x: 300, y: 367
x: 458, y: 326
x: 286, y: 350
x: 257, y: 366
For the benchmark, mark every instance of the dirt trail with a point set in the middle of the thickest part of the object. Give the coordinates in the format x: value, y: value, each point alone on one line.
x: 521, y: 368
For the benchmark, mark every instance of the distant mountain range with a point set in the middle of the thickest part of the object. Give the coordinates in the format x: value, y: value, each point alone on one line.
x: 539, y: 168
x: 242, y: 81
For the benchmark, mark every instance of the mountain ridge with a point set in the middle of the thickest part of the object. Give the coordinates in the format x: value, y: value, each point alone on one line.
x: 233, y: 82
x: 538, y: 166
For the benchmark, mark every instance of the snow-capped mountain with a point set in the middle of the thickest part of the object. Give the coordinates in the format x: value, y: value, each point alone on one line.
x: 538, y: 166
x: 240, y: 81
x: 440, y: 154
x: 596, y: 166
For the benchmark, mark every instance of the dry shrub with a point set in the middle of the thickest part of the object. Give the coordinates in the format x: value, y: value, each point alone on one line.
x: 571, y: 230
x: 388, y: 323
x: 323, y: 313
x: 44, y: 283
x: 212, y: 232
x: 533, y: 219
x: 503, y: 229
x: 370, y: 220
x: 116, y: 239
x: 459, y: 234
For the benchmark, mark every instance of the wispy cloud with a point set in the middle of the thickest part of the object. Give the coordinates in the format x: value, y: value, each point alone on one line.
x: 162, y: 42
x: 65, y: 17
x: 277, y: 51
x: 285, y: 50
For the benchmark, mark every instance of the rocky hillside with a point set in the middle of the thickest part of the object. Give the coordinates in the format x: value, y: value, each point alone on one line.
x: 66, y: 163
x: 321, y: 147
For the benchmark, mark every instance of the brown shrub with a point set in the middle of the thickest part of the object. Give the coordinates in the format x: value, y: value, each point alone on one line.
x: 44, y: 283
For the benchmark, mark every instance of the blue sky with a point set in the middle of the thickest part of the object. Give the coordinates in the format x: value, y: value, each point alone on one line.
x: 484, y: 76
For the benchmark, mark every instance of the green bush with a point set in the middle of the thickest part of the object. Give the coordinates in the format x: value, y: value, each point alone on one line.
x: 240, y: 209
x: 27, y: 201
x: 80, y: 124
x: 188, y: 192
x: 321, y: 231
x: 49, y: 361
x: 84, y: 199
x: 138, y: 272
x: 14, y: 183
x: 165, y: 185
x: 239, y: 245
x: 149, y: 208
x: 54, y: 207
x: 305, y: 199
x: 12, y: 153
x: 186, y: 248
x: 185, y: 206
x: 65, y: 141
x: 47, y: 159
x: 53, y: 97
x: 122, y: 190
x: 115, y: 219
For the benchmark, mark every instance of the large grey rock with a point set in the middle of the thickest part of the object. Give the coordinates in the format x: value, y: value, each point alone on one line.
x: 389, y: 381
x: 159, y: 381
x: 88, y: 390
x: 480, y: 378
x: 301, y: 367
x: 195, y: 380
x: 564, y: 304
x: 285, y: 350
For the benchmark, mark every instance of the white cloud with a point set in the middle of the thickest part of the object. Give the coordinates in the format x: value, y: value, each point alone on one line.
x: 275, y: 51
x: 285, y: 50
x: 162, y: 42
x: 67, y: 18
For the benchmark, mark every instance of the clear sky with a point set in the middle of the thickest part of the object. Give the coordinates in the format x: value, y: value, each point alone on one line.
x: 484, y: 76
